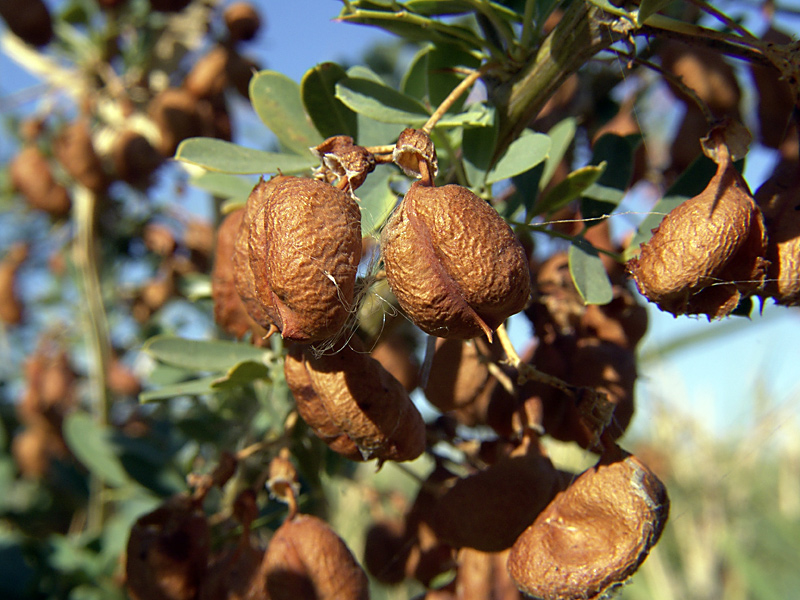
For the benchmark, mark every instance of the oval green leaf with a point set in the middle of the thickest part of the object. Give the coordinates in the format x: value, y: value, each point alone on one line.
x: 225, y: 185
x: 329, y: 115
x: 225, y: 157
x: 564, y: 192
x: 527, y: 151
x: 380, y: 102
x: 277, y: 101
x: 193, y: 387
x: 202, y: 355
x: 242, y: 374
x: 377, y: 201
x: 589, y: 274
x: 89, y: 442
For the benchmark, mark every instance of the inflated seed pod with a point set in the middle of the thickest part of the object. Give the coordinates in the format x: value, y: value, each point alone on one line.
x: 167, y: 552
x: 230, y: 312
x: 74, y: 149
x: 708, y: 252
x: 297, y: 253
x: 454, y: 264
x: 178, y: 116
x: 594, y: 535
x: 307, y: 559
x: 208, y: 76
x: 459, y: 372
x: 11, y: 306
x: 489, y: 509
x: 242, y: 21
x: 135, y: 159
x: 32, y: 176
x: 28, y: 20
x: 354, y: 404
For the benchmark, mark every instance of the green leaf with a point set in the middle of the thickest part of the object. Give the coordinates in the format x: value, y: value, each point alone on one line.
x: 477, y: 148
x: 225, y: 157
x: 690, y: 183
x: 380, y: 102
x: 442, y: 59
x: 224, y: 185
x: 329, y: 115
x: 570, y: 188
x: 202, y: 355
x: 604, y: 196
x: 242, y: 374
x: 415, y: 79
x: 362, y: 72
x: 276, y: 99
x: 561, y: 136
x: 377, y: 201
x: 524, y: 153
x: 193, y: 387
x: 90, y: 444
x: 589, y: 274
x: 412, y: 27
x: 439, y: 8
x: 647, y: 8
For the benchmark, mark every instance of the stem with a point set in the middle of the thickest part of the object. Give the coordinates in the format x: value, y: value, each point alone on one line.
x: 723, y: 18
x: 527, y: 25
x: 84, y: 249
x: 529, y: 372
x: 462, y: 87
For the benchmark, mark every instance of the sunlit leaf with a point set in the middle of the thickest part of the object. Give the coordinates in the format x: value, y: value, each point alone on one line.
x: 225, y: 157
x: 202, y: 355
x: 242, y: 374
x: 524, y: 153
x: 329, y: 115
x: 561, y: 136
x: 380, y: 102
x: 193, y: 387
x: 570, y: 188
x: 89, y: 442
x: 648, y: 8
x: 415, y: 79
x: 377, y: 201
x: 441, y: 8
x: 589, y: 274
x: 276, y: 99
x: 225, y: 185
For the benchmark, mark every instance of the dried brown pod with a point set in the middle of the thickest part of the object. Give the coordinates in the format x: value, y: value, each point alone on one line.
x: 74, y: 149
x: 489, y: 509
x: 50, y: 391
x: 459, y: 372
x: 177, y: 115
x: 454, y: 264
x: 344, y: 160
x: 360, y: 399
x: 296, y: 257
x: 395, y: 352
x: 704, y: 71
x: 36, y: 447
x: 11, y: 306
x: 775, y: 99
x: 483, y: 575
x: 235, y: 574
x: 242, y: 20
x: 29, y: 21
x: 122, y: 380
x: 307, y: 559
x: 32, y: 177
x: 208, y: 76
x: 135, y: 159
x: 386, y: 551
x: 415, y: 152
x: 167, y: 552
x: 708, y: 252
x: 779, y: 200
x: 159, y: 238
x: 240, y: 70
x: 594, y: 535
x: 230, y: 312
x: 169, y: 5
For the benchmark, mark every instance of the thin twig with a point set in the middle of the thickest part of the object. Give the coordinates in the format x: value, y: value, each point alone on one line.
x: 448, y: 102
x: 723, y: 18
x: 528, y: 372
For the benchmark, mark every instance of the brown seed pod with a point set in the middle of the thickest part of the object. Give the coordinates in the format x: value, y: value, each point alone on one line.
x: 490, y: 508
x: 235, y: 574
x: 360, y: 399
x: 459, y: 372
x: 74, y: 150
x: 229, y: 310
x: 240, y: 70
x: 386, y: 551
x: 177, y: 115
x: 707, y: 252
x: 594, y: 535
x: 11, y: 307
x: 30, y: 21
x: 395, y: 352
x: 343, y: 159
x: 454, y: 264
x: 167, y: 552
x: 779, y: 199
x: 135, y: 159
x: 208, y: 76
x: 296, y: 257
x: 122, y: 380
x: 483, y: 575
x: 32, y: 177
x: 37, y: 446
x: 242, y: 21
x: 169, y: 5
x: 413, y: 149
x: 307, y: 559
